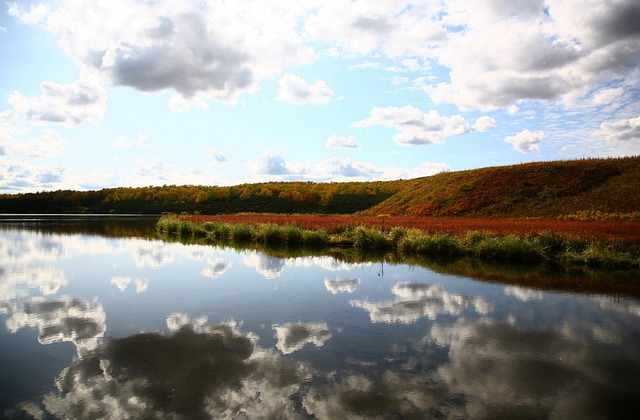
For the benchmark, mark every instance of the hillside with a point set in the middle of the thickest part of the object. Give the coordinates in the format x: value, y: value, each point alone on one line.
x: 541, y: 189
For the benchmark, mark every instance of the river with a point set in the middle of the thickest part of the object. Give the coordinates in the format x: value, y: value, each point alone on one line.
x: 101, y: 318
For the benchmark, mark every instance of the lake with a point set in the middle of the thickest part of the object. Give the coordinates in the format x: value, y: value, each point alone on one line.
x: 101, y: 318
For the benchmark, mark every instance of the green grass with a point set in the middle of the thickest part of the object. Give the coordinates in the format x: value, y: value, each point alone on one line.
x: 546, y: 247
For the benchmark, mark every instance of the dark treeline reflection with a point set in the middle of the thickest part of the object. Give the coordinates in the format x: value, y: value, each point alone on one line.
x: 106, y: 225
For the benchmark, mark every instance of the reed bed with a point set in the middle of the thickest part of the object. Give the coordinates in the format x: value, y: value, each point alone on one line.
x: 541, y: 247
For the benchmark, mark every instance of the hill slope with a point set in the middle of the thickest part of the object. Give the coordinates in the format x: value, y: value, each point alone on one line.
x: 541, y: 189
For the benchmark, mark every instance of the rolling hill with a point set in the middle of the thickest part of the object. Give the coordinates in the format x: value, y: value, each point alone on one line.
x: 576, y: 188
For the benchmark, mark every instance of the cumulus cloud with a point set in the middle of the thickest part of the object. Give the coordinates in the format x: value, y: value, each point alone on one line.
x: 20, y: 176
x: 269, y: 162
x: 342, y: 142
x: 431, y: 168
x: 395, y: 28
x: 342, y: 167
x: 153, y: 169
x: 189, y: 48
x: 555, y: 50
x: 484, y: 123
x: 35, y: 14
x: 125, y: 142
x: 622, y: 130
x: 296, y: 90
x: 72, y: 104
x: 526, y: 141
x: 293, y: 337
x: 50, y: 143
x: 416, y: 127
x: 217, y: 157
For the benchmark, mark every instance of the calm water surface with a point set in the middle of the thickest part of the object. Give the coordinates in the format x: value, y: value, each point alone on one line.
x: 100, y: 318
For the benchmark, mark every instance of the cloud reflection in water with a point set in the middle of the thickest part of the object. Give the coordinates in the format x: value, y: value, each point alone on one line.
x: 341, y: 285
x: 64, y: 319
x: 418, y: 300
x: 194, y: 372
x: 294, y: 336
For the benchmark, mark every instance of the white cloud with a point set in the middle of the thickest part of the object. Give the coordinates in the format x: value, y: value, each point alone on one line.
x: 484, y: 123
x: 153, y: 170
x: 622, y: 130
x: 217, y: 157
x: 431, y: 168
x: 272, y: 164
x: 526, y: 141
x: 23, y: 177
x: 342, y: 142
x: 414, y: 126
x: 200, y: 50
x: 269, y: 162
x: 556, y: 50
x: 607, y: 96
x: 35, y: 14
x: 331, y: 168
x: 296, y: 90
x: 125, y: 143
x: 76, y: 103
x: 395, y: 27
x: 50, y: 143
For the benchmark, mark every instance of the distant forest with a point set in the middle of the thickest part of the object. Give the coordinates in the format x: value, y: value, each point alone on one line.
x: 270, y: 197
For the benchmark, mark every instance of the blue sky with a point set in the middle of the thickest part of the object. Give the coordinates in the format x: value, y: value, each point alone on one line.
x: 141, y: 92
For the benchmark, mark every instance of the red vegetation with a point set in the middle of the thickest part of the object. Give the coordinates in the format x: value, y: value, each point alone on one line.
x: 601, y: 230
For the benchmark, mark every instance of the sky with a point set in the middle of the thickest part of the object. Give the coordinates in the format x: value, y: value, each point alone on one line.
x: 127, y: 93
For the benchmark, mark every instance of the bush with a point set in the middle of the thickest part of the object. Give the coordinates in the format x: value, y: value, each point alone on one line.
x: 511, y: 248
x: 317, y: 237
x: 368, y: 238
x: 270, y: 234
x: 241, y: 233
x: 426, y: 244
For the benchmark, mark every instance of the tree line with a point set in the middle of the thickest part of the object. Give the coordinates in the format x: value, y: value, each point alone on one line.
x: 273, y: 197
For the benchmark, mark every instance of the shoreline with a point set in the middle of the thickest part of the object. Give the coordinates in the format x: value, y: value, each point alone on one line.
x: 539, y: 247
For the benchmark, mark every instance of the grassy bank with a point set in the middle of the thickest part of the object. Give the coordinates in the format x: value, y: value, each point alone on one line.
x: 542, y: 247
